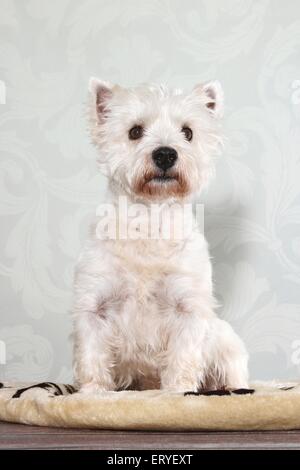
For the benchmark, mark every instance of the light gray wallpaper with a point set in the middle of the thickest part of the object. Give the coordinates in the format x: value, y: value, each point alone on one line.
x: 49, y: 186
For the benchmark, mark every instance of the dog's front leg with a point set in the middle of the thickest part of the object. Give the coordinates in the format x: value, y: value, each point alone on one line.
x: 184, y: 368
x: 228, y: 355
x: 93, y: 360
x: 93, y: 333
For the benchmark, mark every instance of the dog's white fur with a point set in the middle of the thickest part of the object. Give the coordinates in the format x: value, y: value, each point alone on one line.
x: 144, y: 309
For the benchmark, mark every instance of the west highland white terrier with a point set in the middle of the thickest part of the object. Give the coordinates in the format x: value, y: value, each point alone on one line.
x: 143, y: 309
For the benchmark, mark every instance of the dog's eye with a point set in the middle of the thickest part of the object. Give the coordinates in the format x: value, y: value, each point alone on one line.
x: 188, y: 133
x: 136, y: 132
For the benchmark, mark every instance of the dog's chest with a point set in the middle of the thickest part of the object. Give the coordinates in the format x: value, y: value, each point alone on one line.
x: 144, y: 271
x: 145, y: 268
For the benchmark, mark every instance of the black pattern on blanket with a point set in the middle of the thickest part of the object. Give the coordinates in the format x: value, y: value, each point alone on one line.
x: 52, y: 389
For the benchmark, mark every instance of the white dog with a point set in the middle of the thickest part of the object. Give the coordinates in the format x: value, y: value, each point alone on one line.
x: 144, y: 309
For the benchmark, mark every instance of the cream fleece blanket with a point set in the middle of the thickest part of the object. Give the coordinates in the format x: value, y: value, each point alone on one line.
x: 269, y: 406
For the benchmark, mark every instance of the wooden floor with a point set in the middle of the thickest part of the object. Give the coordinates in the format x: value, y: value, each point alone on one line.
x: 18, y: 436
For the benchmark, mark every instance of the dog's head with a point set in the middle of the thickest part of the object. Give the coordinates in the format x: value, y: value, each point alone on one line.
x: 156, y: 143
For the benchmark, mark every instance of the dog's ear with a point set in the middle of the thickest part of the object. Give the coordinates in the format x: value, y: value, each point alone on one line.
x: 213, y: 96
x: 101, y: 92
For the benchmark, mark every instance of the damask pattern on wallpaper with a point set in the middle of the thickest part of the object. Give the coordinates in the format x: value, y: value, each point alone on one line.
x: 49, y: 186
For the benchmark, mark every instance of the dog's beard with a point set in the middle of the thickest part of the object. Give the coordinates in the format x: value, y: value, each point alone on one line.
x: 154, y: 183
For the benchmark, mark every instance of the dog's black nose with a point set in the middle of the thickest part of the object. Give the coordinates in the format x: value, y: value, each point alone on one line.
x: 164, y: 157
